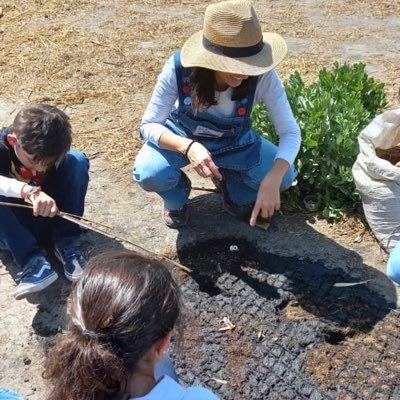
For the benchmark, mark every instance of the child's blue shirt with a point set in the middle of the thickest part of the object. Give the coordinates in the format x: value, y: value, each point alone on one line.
x: 168, y: 389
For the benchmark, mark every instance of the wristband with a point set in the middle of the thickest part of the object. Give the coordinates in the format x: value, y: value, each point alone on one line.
x: 188, y: 148
x: 33, y: 191
x: 26, y: 189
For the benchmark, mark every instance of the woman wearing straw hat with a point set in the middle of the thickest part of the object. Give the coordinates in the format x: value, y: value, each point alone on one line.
x: 200, y: 110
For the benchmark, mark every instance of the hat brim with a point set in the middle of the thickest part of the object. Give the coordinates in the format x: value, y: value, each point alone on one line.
x: 194, y: 54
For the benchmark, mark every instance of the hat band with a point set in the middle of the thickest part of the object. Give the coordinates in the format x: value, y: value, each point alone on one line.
x: 235, y: 52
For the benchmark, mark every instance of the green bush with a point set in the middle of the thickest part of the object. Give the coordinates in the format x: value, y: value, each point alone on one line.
x: 331, y: 112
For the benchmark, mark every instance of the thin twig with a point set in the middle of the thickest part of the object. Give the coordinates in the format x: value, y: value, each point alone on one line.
x: 205, y: 189
x: 95, y: 226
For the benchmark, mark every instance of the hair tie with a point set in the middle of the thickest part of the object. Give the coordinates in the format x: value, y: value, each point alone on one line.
x: 90, y: 333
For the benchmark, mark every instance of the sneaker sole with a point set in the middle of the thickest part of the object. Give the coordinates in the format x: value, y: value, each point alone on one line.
x: 23, y: 292
x: 175, y: 226
x: 168, y: 222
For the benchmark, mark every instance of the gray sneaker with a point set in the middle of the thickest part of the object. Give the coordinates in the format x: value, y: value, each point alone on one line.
x: 178, y: 218
x: 230, y: 207
x: 36, y: 276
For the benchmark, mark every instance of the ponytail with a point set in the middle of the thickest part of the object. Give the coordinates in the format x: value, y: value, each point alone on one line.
x: 81, y: 367
x: 120, y: 307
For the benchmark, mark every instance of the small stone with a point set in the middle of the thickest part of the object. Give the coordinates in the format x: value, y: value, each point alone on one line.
x: 233, y: 248
x: 1, y: 12
x: 27, y: 361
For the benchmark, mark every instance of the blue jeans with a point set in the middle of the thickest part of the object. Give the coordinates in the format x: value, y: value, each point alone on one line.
x: 158, y: 170
x: 21, y: 232
x: 393, y: 264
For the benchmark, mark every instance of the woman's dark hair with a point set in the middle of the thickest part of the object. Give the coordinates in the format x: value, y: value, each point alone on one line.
x: 120, y: 307
x: 43, y: 131
x: 203, y: 86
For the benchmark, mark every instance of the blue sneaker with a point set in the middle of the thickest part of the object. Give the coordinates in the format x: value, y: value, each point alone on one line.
x: 36, y: 276
x: 71, y: 258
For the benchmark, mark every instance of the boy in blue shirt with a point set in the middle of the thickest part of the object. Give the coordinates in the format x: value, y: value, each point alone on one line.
x: 35, y: 152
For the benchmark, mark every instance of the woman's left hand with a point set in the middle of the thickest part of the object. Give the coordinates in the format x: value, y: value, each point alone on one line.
x: 268, y: 199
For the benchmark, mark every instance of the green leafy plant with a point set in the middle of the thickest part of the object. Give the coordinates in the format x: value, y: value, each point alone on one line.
x: 331, y: 112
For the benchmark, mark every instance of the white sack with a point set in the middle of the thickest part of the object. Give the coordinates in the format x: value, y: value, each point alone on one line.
x: 377, y: 180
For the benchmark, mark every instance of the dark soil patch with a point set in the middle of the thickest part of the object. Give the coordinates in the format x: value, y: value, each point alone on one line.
x: 297, y: 336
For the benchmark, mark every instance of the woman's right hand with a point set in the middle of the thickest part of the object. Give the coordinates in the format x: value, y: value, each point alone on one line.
x: 201, y: 160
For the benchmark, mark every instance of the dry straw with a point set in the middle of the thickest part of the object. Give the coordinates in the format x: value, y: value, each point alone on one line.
x: 99, y: 59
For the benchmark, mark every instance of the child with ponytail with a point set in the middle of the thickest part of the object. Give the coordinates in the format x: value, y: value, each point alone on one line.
x: 123, y: 313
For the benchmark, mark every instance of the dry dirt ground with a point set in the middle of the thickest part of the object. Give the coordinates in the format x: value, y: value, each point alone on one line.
x: 98, y: 61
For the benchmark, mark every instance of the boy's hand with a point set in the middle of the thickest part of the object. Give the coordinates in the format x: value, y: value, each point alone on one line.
x: 43, y: 205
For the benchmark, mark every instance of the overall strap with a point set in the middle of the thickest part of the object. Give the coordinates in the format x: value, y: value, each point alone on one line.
x: 244, y: 106
x: 182, y: 81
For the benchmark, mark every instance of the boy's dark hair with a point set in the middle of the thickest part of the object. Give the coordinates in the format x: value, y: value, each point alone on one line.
x: 203, y: 85
x: 120, y: 307
x: 43, y: 131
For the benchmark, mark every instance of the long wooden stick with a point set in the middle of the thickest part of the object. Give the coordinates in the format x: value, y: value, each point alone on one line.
x: 95, y: 226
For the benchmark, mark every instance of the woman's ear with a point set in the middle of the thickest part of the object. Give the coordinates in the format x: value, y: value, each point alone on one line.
x: 161, y: 346
x: 11, y: 139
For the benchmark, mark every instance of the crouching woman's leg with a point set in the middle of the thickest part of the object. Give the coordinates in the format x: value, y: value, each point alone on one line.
x: 393, y: 264
x: 243, y: 188
x: 159, y: 170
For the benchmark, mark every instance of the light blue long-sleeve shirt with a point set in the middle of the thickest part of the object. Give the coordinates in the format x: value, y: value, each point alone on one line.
x: 168, y: 389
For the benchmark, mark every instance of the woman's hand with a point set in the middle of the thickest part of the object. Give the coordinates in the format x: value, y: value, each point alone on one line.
x: 268, y: 199
x: 201, y: 160
x: 43, y: 205
x: 198, y: 155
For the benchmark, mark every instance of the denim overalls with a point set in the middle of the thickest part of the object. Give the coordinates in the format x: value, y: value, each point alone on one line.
x: 230, y: 140
x: 242, y: 155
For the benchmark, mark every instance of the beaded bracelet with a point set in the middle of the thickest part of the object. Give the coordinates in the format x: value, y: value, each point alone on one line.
x: 188, y: 148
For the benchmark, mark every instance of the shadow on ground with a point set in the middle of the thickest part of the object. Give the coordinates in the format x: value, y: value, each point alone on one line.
x: 278, y: 288
x: 50, y: 317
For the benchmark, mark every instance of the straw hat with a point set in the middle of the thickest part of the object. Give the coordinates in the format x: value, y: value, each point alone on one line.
x: 232, y: 41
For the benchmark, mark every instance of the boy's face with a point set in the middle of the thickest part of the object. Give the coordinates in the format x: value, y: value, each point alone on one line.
x: 26, y: 159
